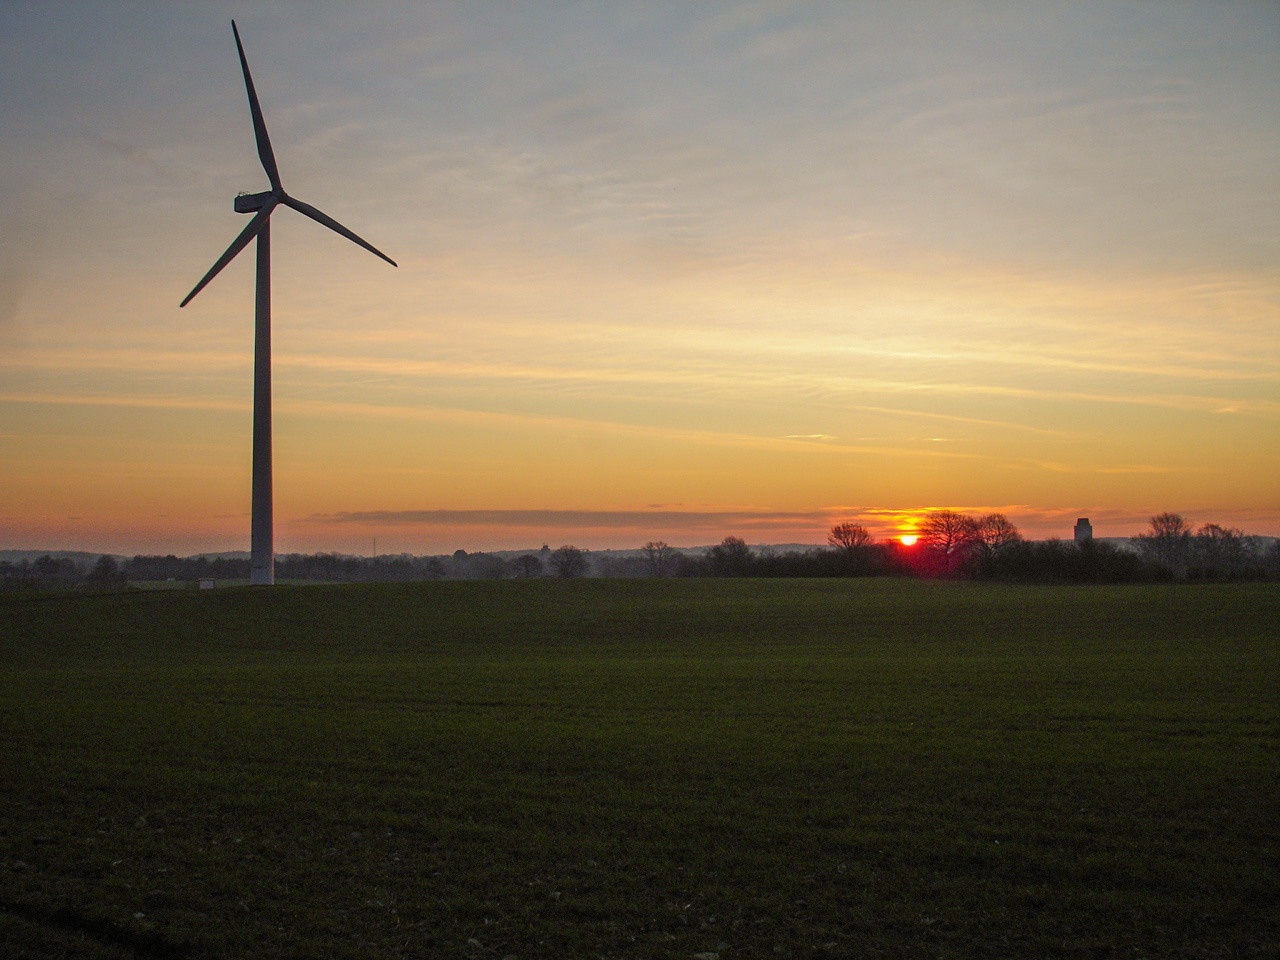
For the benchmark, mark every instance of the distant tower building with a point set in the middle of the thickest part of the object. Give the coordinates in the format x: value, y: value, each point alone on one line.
x: 1084, y: 530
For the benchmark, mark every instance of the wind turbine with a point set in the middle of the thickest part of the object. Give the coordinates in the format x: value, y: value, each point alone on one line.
x: 262, y: 205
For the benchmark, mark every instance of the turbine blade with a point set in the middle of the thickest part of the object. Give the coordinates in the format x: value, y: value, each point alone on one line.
x: 334, y: 225
x: 238, y: 244
x: 265, y: 153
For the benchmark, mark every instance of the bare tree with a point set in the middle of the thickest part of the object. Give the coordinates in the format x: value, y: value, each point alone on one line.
x: 994, y: 532
x: 849, y: 537
x: 568, y: 561
x: 730, y: 558
x: 660, y: 557
x: 949, y: 533
x: 1219, y: 551
x: 993, y: 536
x: 1167, y: 542
x: 527, y: 566
x: 1170, y: 525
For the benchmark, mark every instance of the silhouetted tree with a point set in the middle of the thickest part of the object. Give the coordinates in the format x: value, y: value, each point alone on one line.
x: 55, y: 573
x: 949, y: 534
x: 660, y: 557
x: 106, y: 575
x: 992, y: 536
x: 568, y: 561
x: 849, y: 537
x: 1167, y: 542
x: 730, y: 558
x: 856, y: 552
x: 994, y: 532
x: 1218, y: 552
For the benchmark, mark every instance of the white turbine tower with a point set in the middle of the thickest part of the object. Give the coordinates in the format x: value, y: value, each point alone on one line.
x: 261, y: 205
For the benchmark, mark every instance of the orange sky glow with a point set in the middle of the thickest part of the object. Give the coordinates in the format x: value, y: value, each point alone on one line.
x: 708, y: 270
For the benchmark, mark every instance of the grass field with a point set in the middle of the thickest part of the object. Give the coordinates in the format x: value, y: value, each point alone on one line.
x: 578, y: 769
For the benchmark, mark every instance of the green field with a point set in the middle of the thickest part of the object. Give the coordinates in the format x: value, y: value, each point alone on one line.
x: 578, y: 769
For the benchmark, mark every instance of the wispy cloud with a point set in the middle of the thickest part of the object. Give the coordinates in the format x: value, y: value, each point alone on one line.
x: 124, y: 400
x: 726, y: 379
x: 583, y: 519
x: 328, y: 408
x: 1106, y: 469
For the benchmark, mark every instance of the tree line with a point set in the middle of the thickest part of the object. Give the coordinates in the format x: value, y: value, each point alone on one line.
x: 951, y: 545
x: 64, y: 573
x: 954, y: 544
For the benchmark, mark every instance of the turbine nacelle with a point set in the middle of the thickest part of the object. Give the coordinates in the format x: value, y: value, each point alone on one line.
x: 253, y: 202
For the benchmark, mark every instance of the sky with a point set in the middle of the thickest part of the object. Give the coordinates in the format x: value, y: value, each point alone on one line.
x: 666, y: 271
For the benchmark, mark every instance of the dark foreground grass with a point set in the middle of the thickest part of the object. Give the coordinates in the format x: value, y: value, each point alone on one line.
x: 642, y: 769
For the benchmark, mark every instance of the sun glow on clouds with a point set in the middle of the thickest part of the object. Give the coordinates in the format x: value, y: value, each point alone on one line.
x: 765, y: 264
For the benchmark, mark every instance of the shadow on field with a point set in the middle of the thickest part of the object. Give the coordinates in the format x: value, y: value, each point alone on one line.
x: 141, y: 943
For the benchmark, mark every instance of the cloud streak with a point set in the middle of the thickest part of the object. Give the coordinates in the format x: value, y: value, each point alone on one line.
x: 583, y: 519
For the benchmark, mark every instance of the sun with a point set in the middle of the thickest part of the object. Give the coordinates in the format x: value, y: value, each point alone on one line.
x: 908, y: 539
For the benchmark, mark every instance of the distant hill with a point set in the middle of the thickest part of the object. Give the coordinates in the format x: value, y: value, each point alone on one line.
x: 75, y: 556
x: 13, y: 556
